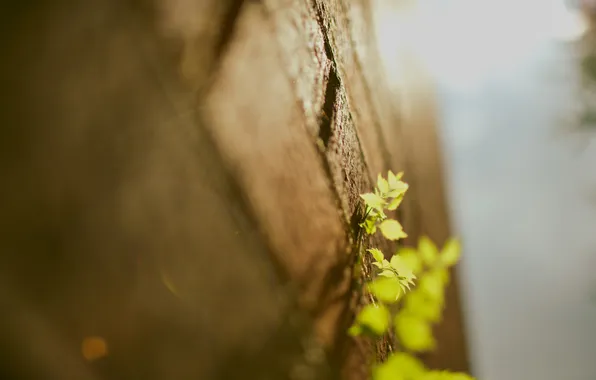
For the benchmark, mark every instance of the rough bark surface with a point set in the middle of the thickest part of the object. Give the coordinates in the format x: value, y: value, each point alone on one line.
x: 181, y: 178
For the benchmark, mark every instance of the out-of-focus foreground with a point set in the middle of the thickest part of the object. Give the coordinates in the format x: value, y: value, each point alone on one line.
x: 180, y: 186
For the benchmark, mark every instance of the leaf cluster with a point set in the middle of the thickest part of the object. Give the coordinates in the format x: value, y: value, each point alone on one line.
x: 386, y: 196
x: 408, y: 308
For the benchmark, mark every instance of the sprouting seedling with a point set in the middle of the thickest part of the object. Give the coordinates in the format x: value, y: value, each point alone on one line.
x: 400, y: 304
x: 386, y: 196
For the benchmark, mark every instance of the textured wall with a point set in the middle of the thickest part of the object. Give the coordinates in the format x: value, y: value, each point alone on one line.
x: 181, y: 178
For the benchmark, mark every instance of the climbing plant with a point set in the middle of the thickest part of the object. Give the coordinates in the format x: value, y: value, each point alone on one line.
x: 406, y: 291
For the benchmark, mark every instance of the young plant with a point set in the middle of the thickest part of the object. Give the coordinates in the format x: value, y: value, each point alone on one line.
x: 400, y: 305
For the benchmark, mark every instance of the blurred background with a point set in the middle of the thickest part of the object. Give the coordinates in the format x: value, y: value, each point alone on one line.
x: 513, y: 82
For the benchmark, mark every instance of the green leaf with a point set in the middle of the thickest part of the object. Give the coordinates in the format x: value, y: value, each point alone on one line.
x: 399, y: 366
x: 375, y: 318
x: 445, y: 375
x: 370, y: 225
x: 410, y: 257
x: 405, y: 283
x: 382, y: 265
x: 385, y: 289
x: 355, y: 330
x: 397, y: 188
x: 414, y: 333
x: 432, y: 284
x: 395, y: 202
x: 428, y: 251
x: 377, y: 214
x: 377, y: 254
x: 451, y: 252
x: 394, y: 179
x: 373, y: 201
x: 385, y: 269
x: 392, y: 230
x: 387, y: 371
x: 388, y: 273
x: 444, y: 273
x: 382, y: 184
x: 401, y: 268
x: 418, y: 304
x: 399, y: 192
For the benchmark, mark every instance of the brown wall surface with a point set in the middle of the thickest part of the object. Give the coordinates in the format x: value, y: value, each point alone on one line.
x: 181, y: 178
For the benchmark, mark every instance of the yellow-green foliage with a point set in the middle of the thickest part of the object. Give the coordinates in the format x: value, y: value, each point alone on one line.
x: 409, y: 308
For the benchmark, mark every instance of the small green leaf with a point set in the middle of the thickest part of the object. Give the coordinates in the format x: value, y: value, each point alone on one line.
x: 369, y: 225
x: 373, y: 201
x: 444, y: 274
x: 355, y: 330
x: 399, y: 192
x: 406, y: 283
x: 398, y: 189
x: 402, y: 268
x: 396, y: 186
x: 395, y: 202
x: 444, y: 375
x: 382, y: 265
x: 382, y: 184
x: 388, y: 273
x: 428, y: 251
x: 399, y: 366
x: 376, y: 214
x: 385, y: 289
x: 418, y: 304
x: 410, y: 258
x: 392, y: 230
x: 451, y: 252
x: 414, y: 333
x: 377, y: 254
x: 376, y: 318
x: 432, y: 284
x: 386, y: 371
x: 394, y: 179
x: 391, y: 178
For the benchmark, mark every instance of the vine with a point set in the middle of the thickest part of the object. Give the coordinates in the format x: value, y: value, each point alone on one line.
x: 400, y: 305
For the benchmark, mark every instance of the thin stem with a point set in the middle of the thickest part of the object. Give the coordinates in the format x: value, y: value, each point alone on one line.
x: 368, y: 210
